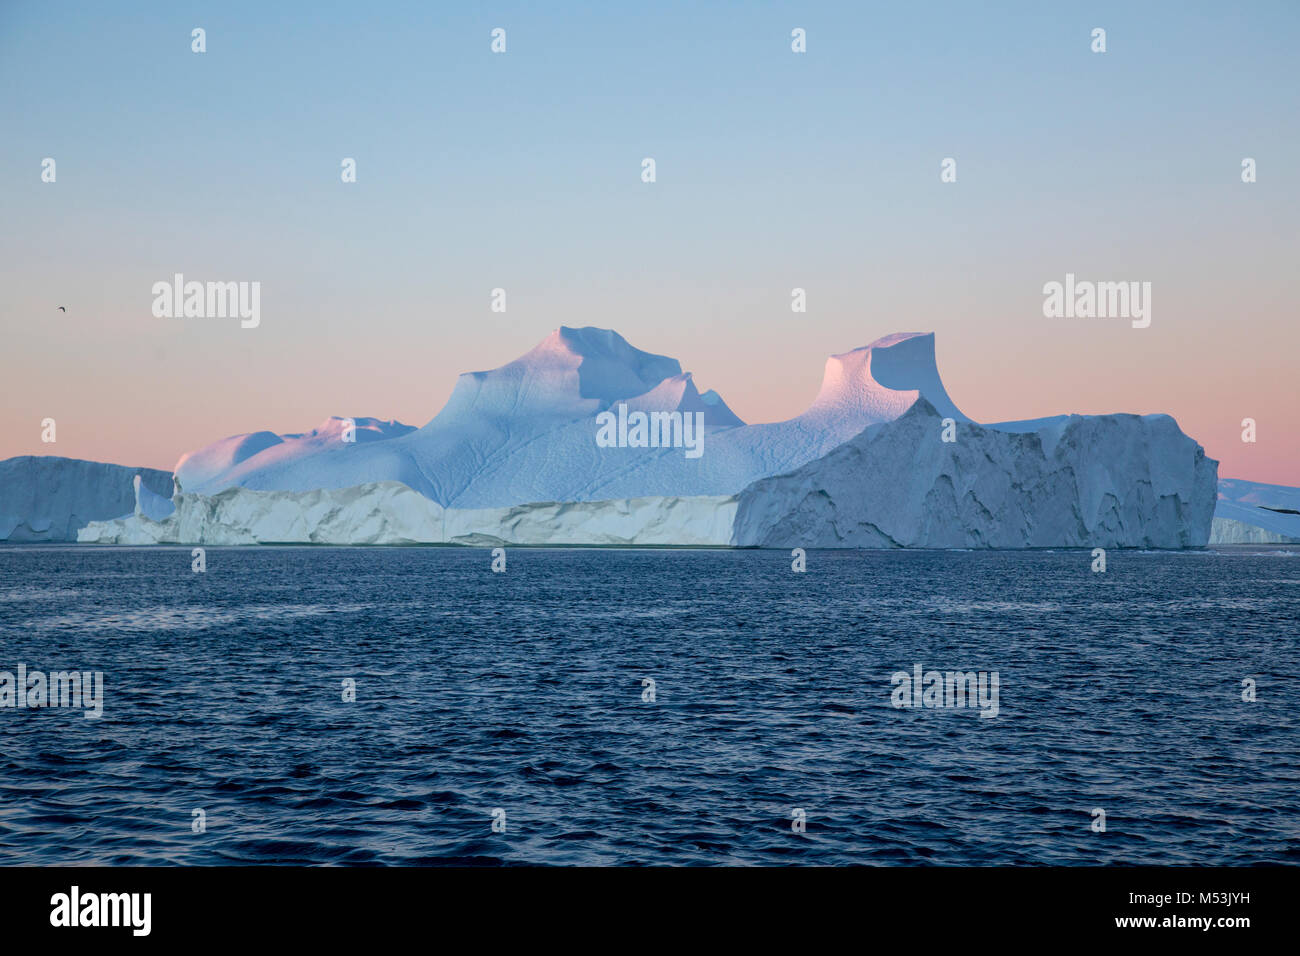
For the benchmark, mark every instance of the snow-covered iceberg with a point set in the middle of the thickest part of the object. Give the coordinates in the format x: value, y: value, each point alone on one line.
x: 1078, y: 481
x: 517, y: 456
x: 526, y: 432
x: 48, y: 498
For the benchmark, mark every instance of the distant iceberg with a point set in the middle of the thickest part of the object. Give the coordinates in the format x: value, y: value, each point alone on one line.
x: 48, y: 498
x: 1251, y: 512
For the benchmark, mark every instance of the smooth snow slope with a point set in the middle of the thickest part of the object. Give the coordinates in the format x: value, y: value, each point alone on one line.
x: 198, y: 468
x: 526, y: 432
x: 47, y: 498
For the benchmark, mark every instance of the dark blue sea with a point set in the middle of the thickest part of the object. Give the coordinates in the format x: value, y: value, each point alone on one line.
x: 523, y: 692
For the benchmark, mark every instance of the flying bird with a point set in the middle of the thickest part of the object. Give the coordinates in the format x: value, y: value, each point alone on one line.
x: 62, y: 309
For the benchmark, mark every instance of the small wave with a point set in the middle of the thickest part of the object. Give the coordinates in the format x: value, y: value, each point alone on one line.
x: 193, y: 617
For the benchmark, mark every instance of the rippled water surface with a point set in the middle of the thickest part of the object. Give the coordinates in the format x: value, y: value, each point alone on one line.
x: 523, y: 691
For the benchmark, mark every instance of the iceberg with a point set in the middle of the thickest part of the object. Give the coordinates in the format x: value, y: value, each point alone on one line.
x: 1085, y: 481
x: 514, y: 458
x: 48, y: 498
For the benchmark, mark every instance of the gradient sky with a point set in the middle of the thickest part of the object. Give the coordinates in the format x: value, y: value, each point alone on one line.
x: 522, y: 171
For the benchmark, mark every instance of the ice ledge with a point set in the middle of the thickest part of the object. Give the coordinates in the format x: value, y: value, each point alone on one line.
x: 389, y: 512
x: 1232, y: 531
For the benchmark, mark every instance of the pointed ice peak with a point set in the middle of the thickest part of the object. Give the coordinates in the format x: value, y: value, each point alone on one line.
x: 571, y: 372
x: 607, y: 367
x: 882, y: 380
x: 678, y: 393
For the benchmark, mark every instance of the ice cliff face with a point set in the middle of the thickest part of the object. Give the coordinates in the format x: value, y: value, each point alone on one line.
x: 1081, y: 481
x: 46, y: 498
x: 392, y: 513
